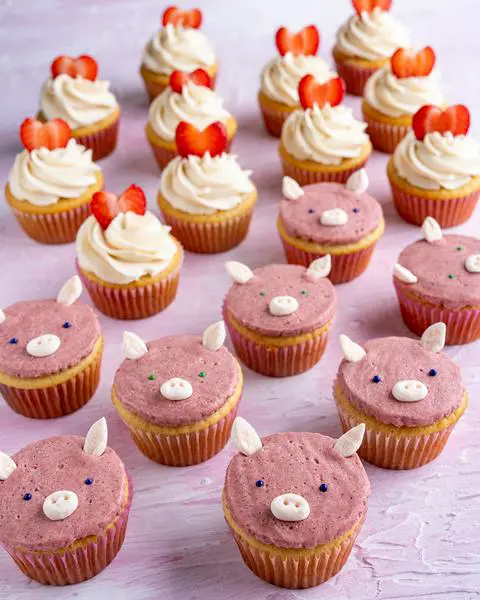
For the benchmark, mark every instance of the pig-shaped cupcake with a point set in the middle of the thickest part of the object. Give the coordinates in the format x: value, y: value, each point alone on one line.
x: 279, y: 316
x: 295, y: 503
x: 408, y: 393
x: 50, y: 354
x: 64, y: 504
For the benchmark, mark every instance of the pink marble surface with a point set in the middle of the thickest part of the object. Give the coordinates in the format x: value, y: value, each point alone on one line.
x: 421, y: 536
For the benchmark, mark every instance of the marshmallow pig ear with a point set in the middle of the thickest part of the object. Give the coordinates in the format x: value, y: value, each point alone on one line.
x: 433, y: 337
x: 133, y: 347
x: 97, y: 438
x: 214, y: 336
x: 431, y: 230
x: 239, y: 272
x: 350, y: 442
x: 71, y: 291
x: 3, y: 316
x: 290, y: 189
x: 319, y: 268
x: 352, y: 351
x: 7, y: 466
x: 358, y: 182
x: 245, y: 437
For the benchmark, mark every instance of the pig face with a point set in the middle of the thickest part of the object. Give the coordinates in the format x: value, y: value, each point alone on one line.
x: 40, y: 337
x: 281, y: 489
x: 60, y: 489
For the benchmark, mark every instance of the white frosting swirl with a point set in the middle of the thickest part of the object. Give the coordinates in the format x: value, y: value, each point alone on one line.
x: 177, y: 48
x: 395, y: 97
x: 324, y: 135
x: 132, y: 246
x: 438, y: 161
x: 372, y: 36
x: 77, y: 101
x: 43, y: 176
x: 205, y: 185
x: 196, y: 104
x: 281, y: 76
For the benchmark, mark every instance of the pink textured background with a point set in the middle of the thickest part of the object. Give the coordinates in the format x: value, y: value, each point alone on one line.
x: 420, y: 538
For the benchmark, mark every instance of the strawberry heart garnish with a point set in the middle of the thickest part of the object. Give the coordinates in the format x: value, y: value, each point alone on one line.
x: 311, y: 92
x: 306, y: 41
x: 35, y: 134
x: 179, y: 78
x: 191, y: 140
x: 105, y: 206
x: 186, y: 18
x: 84, y: 66
x: 428, y: 119
x: 368, y: 5
x: 408, y: 63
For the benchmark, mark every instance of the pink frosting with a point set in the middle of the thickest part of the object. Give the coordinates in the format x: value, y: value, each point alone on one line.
x: 59, y: 463
x: 177, y: 356
x: 249, y: 302
x: 297, y: 463
x: 29, y: 319
x: 398, y: 359
x: 432, y: 263
x: 364, y: 214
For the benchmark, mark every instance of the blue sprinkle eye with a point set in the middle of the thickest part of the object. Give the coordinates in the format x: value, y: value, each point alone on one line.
x: 376, y: 379
x: 311, y: 210
x: 432, y: 372
x: 356, y: 210
x: 27, y: 496
x: 260, y: 483
x: 323, y: 487
x: 13, y: 341
x: 67, y: 325
x: 88, y: 481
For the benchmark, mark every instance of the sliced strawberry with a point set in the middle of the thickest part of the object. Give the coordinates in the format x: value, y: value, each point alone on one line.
x: 83, y: 65
x: 186, y: 18
x: 311, y: 92
x: 408, y: 63
x: 35, y: 134
x: 179, y: 78
x: 105, y: 206
x: 368, y: 5
x: 191, y: 140
x: 428, y: 119
x: 306, y: 41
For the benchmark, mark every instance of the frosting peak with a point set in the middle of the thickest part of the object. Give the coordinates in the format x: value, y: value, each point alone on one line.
x: 77, y: 101
x: 131, y: 247
x: 438, y: 161
x: 42, y: 177
x: 372, y: 36
x: 196, y: 104
x: 396, y: 97
x: 177, y: 48
x: 204, y: 185
x: 281, y: 76
x: 325, y: 135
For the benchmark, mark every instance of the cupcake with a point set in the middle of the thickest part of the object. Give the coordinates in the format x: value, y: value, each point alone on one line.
x: 50, y: 354
x: 331, y: 218
x: 278, y: 95
x: 322, y: 142
x: 295, y: 503
x: 51, y: 182
x: 128, y: 261
x: 178, y: 395
x: 279, y: 316
x: 438, y: 279
x: 204, y: 195
x: 394, y: 94
x: 407, y: 392
x: 435, y: 170
x: 64, y: 504
x: 189, y: 99
x: 85, y: 103
x: 177, y: 46
x: 366, y: 42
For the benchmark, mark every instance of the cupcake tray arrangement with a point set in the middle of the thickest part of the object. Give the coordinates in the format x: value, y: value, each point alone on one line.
x: 315, y: 335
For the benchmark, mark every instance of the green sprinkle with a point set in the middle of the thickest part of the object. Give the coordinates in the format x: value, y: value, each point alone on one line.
x: 304, y: 292
x: 151, y: 377
x: 451, y: 276
x: 459, y: 248
x: 262, y: 293
x: 202, y: 374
